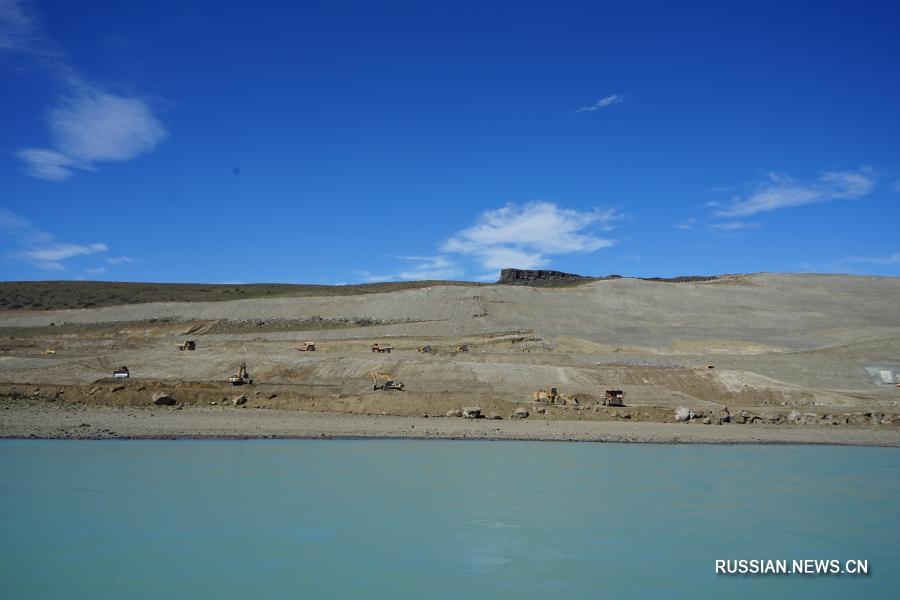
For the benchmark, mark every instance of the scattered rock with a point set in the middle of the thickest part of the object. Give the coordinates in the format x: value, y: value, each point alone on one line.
x: 521, y: 413
x: 272, y: 396
x: 163, y: 399
x: 707, y: 421
x: 454, y: 412
x: 242, y: 399
x: 494, y: 417
x: 212, y: 403
x: 540, y: 410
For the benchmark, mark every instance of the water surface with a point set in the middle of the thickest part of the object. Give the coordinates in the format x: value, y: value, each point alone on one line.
x: 413, y: 519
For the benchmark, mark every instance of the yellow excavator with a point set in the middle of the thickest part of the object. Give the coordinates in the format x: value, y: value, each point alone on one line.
x: 49, y: 352
x: 388, y: 383
x: 242, y: 377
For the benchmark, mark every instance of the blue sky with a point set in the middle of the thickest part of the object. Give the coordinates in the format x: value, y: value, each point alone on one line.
x: 343, y: 142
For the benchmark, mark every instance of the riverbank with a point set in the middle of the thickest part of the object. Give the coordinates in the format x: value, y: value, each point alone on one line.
x: 91, y: 422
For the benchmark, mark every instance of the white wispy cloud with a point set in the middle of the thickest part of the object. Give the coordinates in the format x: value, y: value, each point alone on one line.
x: 688, y: 224
x: 524, y: 236
x: 37, y: 247
x: 602, y: 103
x: 17, y: 27
x: 731, y: 226
x: 779, y: 191
x: 892, y: 259
x: 87, y: 124
x: 119, y: 260
x: 425, y: 267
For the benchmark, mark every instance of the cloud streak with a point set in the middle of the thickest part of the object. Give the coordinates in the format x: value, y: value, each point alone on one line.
x: 87, y: 124
x: 892, y: 259
x: 602, y: 103
x: 425, y: 268
x: 733, y: 226
x: 780, y: 191
x: 38, y: 248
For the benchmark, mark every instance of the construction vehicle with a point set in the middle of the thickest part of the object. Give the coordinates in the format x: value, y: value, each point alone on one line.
x: 388, y: 383
x: 307, y: 347
x: 462, y: 348
x: 553, y: 397
x: 188, y: 345
x: 242, y: 377
x: 49, y: 352
x: 614, y: 398
x: 376, y: 347
x: 424, y: 348
x: 122, y: 373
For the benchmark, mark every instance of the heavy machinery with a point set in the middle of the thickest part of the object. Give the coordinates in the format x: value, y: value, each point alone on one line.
x: 49, y: 352
x: 242, y: 377
x: 376, y: 347
x: 424, y: 348
x: 462, y: 348
x: 553, y: 397
x: 388, y: 383
x: 307, y: 347
x: 188, y: 345
x: 122, y: 373
x: 614, y: 398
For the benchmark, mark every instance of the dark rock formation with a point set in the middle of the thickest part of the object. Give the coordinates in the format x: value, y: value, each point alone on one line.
x: 527, y: 276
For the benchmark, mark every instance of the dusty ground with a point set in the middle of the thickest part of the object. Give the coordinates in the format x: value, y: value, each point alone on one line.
x: 103, y: 422
x: 787, y: 353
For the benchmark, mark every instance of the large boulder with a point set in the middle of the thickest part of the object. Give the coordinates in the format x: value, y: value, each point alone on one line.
x: 520, y: 413
x: 471, y: 412
x: 163, y: 399
x: 682, y: 414
x: 242, y: 399
x: 454, y: 412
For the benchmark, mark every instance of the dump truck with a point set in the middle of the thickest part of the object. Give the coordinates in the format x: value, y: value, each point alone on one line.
x: 242, y: 377
x: 307, y: 347
x: 122, y: 373
x: 188, y: 345
x: 376, y: 347
x: 614, y: 398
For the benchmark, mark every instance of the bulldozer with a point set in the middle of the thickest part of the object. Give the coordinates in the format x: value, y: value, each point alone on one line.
x: 553, y: 397
x: 242, y: 377
x: 307, y: 347
x: 188, y: 345
x: 388, y: 383
x: 462, y: 348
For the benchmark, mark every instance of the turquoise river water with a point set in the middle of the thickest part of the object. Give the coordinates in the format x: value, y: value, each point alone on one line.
x: 440, y: 519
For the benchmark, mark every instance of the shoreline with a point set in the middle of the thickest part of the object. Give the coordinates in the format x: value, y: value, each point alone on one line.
x: 104, y: 423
